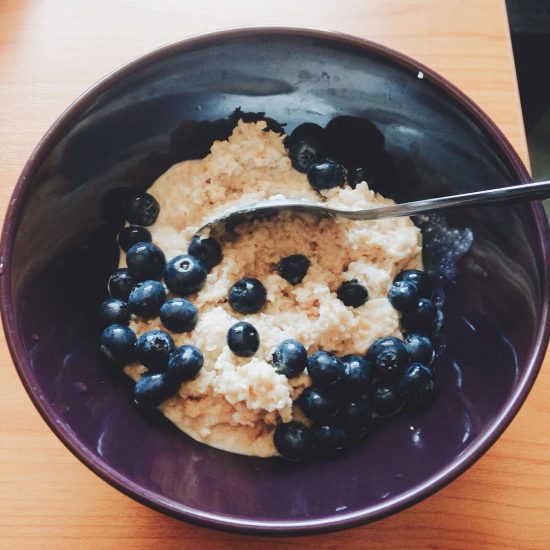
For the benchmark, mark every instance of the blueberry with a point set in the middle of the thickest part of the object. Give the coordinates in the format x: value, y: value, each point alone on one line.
x: 423, y: 317
x: 422, y: 280
x: 328, y: 438
x: 325, y: 369
x: 145, y: 261
x: 146, y: 298
x: 419, y: 347
x: 153, y: 349
x: 304, y: 153
x: 243, y: 339
x: 292, y: 440
x: 152, y: 389
x: 185, y: 362
x: 293, y: 268
x: 118, y: 344
x: 306, y: 131
x: 356, y: 417
x: 416, y: 386
x: 351, y: 139
x: 403, y: 295
x: 114, y: 311
x: 352, y: 293
x: 389, y: 356
x: 247, y: 295
x: 358, y: 373
x: 358, y: 175
x: 141, y: 209
x: 120, y: 284
x: 131, y: 235
x: 290, y: 358
x: 208, y: 250
x: 326, y: 175
x: 179, y: 315
x: 385, y: 400
x: 185, y: 274
x: 319, y: 404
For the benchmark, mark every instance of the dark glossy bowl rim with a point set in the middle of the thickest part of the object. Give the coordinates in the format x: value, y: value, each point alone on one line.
x: 226, y: 522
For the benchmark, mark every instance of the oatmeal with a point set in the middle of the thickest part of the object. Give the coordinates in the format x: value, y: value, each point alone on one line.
x: 235, y: 402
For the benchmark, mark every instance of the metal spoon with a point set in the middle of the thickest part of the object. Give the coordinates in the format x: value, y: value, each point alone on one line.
x: 516, y: 193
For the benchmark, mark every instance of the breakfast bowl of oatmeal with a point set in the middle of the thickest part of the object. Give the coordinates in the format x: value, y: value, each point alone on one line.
x: 290, y: 373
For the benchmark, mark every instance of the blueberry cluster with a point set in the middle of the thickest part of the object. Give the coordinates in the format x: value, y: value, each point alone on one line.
x: 248, y: 295
x: 347, y: 149
x: 348, y: 393
x: 137, y: 290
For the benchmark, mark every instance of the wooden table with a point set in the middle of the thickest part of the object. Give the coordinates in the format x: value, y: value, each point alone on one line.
x: 50, y: 51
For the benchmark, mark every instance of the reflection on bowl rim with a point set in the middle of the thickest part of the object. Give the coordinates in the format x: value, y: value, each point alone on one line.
x: 114, y: 478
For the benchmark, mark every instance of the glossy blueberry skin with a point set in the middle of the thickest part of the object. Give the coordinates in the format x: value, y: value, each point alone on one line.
x: 422, y: 280
x: 356, y: 417
x: 208, y: 250
x: 118, y: 344
x: 385, y: 400
x: 179, y: 315
x: 114, y: 311
x: 325, y: 369
x: 185, y: 274
x: 420, y: 348
x: 292, y: 440
x: 389, y: 356
x: 247, y: 295
x: 290, y: 358
x: 153, y: 349
x: 293, y: 268
x: 131, y: 235
x: 152, y: 389
x: 416, y: 386
x: 145, y: 261
x: 185, y: 362
x: 319, y: 404
x: 358, y: 175
x: 146, y: 299
x: 358, y: 374
x: 423, y: 317
x: 352, y: 293
x: 120, y: 284
x: 304, y: 153
x: 326, y: 174
x: 328, y: 438
x: 243, y: 339
x: 403, y: 295
x: 141, y: 209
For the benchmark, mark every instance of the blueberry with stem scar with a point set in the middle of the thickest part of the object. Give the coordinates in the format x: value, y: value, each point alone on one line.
x: 141, y: 209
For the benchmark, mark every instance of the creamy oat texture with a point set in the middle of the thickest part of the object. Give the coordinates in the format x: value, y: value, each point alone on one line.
x: 235, y: 403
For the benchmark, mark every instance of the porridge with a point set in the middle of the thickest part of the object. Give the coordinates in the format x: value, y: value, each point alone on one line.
x: 242, y: 313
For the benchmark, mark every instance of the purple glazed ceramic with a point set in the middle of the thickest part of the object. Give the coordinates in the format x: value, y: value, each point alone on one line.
x: 58, y: 248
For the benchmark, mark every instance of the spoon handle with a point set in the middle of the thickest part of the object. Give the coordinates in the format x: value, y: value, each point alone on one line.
x: 516, y: 193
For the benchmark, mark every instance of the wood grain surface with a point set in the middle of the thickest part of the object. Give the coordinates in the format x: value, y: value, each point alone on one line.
x: 50, y: 51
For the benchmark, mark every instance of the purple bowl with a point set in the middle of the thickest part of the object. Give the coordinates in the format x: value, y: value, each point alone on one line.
x: 58, y: 249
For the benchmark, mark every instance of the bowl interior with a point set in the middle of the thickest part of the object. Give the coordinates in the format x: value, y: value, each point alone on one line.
x: 169, y: 107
